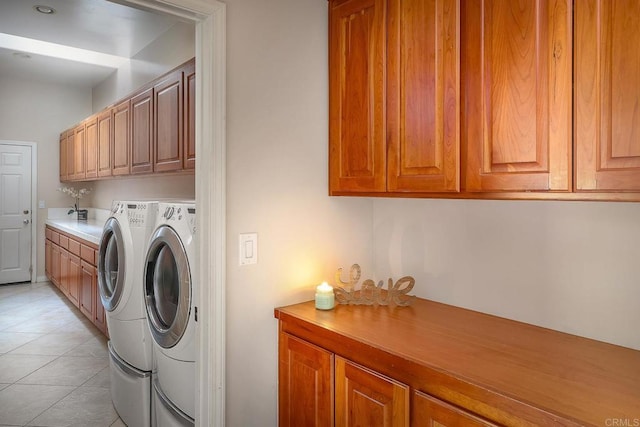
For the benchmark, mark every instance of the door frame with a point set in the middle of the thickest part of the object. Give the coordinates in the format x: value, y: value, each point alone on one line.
x: 210, y: 175
x: 34, y: 197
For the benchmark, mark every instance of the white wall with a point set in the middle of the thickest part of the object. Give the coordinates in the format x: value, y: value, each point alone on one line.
x: 176, y: 46
x: 151, y: 187
x: 277, y: 187
x: 569, y: 266
x: 36, y: 112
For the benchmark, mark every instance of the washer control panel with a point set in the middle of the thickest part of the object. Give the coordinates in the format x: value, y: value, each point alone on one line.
x: 181, y: 213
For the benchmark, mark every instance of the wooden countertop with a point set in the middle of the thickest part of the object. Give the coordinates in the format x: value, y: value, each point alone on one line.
x: 510, y: 372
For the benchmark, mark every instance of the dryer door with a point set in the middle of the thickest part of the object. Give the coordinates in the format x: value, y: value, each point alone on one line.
x: 167, y: 287
x: 111, y: 265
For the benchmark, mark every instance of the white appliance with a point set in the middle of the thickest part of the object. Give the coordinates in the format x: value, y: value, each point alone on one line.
x: 170, y: 298
x: 120, y: 281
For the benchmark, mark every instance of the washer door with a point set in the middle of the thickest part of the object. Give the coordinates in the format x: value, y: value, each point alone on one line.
x: 167, y: 287
x: 111, y: 265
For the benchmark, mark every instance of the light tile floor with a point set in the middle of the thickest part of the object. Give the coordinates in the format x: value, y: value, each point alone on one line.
x: 54, y: 366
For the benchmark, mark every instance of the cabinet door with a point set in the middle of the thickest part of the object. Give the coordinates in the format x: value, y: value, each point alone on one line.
x: 357, y: 129
x: 78, y: 153
x: 47, y: 258
x: 168, y: 122
x: 63, y: 156
x: 105, y: 140
x: 428, y: 411
x: 121, y: 154
x: 305, y: 384
x: 87, y: 291
x: 189, y: 103
x: 74, y: 278
x: 91, y: 148
x: 142, y: 132
x: 71, y: 154
x: 99, y: 315
x: 516, y: 74
x: 607, y: 95
x: 423, y: 95
x: 366, y: 398
x: 55, y: 265
x: 63, y: 269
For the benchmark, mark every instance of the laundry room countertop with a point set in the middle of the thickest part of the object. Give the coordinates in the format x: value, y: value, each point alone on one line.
x: 89, y: 230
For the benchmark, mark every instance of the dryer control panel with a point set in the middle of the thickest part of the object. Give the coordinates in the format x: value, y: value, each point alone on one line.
x: 182, y: 214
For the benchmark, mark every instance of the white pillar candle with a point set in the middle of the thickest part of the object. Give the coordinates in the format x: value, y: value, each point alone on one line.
x: 325, y: 299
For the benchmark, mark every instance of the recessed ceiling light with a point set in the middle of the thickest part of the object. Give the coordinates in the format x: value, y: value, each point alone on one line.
x: 47, y: 10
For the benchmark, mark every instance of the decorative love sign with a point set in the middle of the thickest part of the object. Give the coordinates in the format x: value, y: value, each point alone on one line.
x: 370, y: 293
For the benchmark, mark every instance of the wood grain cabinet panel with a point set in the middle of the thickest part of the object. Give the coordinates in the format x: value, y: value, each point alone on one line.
x: 142, y: 132
x: 63, y: 269
x: 427, y: 411
x: 55, y: 265
x: 74, y: 278
x: 516, y: 63
x: 105, y: 140
x: 423, y: 97
x: 63, y: 157
x: 71, y: 153
x: 87, y: 290
x: 121, y: 147
x: 305, y: 391
x: 91, y: 149
x: 168, y: 122
x: 189, y: 116
x: 366, y: 398
x: 78, y: 153
x: 607, y: 95
x: 357, y: 128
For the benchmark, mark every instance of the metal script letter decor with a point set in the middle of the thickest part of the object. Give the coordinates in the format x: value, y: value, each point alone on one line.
x: 370, y: 293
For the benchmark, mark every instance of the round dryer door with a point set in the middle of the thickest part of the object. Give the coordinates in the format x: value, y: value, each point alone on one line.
x: 111, y: 265
x: 167, y: 287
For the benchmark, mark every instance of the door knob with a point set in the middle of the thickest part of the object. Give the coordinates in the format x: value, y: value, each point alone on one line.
x: 26, y: 211
x: 26, y: 221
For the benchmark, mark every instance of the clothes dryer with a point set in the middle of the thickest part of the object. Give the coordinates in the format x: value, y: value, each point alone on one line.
x: 120, y: 281
x: 170, y: 299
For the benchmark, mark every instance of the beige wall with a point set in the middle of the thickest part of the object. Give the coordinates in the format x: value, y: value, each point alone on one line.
x: 277, y: 187
x: 569, y: 266
x: 174, y: 47
x: 36, y: 112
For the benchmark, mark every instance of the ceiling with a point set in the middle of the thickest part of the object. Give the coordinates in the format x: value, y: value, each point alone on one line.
x: 80, y: 44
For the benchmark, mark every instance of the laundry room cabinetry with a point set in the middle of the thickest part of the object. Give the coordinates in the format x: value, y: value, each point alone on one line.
x: 484, y: 99
x: 431, y: 364
x: 151, y: 131
x: 70, y: 264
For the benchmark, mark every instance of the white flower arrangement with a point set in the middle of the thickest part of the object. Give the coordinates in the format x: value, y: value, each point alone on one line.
x: 76, y: 194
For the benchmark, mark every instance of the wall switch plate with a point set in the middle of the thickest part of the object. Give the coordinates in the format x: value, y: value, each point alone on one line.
x: 41, y: 204
x: 248, y: 248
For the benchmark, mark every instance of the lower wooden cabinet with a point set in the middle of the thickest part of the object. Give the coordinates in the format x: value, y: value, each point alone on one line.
x: 318, y: 388
x: 429, y: 411
x: 367, y: 398
x: 70, y: 265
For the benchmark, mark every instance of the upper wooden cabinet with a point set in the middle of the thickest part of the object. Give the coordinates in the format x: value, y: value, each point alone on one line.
x: 484, y: 99
x: 150, y: 131
x: 357, y: 128
x: 142, y: 132
x: 607, y: 95
x: 105, y: 135
x: 78, y: 153
x: 168, y: 122
x: 91, y: 148
x: 63, y: 156
x: 121, y: 144
x: 394, y: 96
x: 516, y: 63
x: 427, y: 411
x: 423, y: 98
x: 189, y: 116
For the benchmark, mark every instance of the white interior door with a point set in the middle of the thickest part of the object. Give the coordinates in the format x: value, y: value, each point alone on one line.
x: 15, y: 213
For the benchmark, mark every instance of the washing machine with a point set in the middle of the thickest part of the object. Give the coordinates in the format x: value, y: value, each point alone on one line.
x: 122, y: 250
x: 170, y: 298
